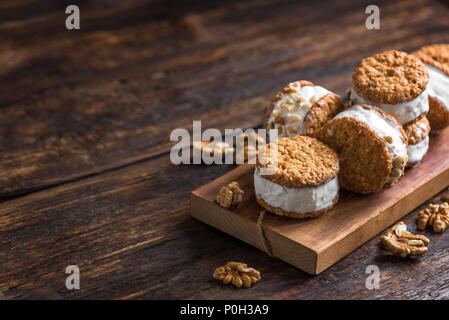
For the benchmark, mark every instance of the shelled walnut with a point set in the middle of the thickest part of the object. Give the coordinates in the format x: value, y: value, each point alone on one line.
x: 403, y: 243
x: 436, y: 216
x: 229, y: 195
x: 238, y: 274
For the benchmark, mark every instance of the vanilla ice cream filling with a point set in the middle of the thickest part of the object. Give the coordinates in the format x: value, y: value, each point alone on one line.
x: 438, y: 85
x: 383, y: 127
x: 404, y: 112
x: 296, y: 200
x: 417, y: 151
x: 289, y: 112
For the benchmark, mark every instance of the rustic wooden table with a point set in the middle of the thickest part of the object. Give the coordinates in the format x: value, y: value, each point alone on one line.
x: 85, y: 175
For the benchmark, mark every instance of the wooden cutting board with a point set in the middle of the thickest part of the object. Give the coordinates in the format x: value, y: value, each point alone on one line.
x: 313, y: 245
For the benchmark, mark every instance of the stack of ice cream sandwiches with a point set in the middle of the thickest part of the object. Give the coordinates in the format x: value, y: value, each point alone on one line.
x: 396, y: 82
x: 394, y: 102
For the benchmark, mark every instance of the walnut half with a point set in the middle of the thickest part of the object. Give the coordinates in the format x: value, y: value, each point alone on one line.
x: 238, y: 274
x: 436, y: 216
x: 401, y: 242
x: 229, y: 195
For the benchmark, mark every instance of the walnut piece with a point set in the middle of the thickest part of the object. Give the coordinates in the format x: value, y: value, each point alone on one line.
x: 401, y: 242
x: 238, y: 274
x: 230, y: 195
x: 436, y: 216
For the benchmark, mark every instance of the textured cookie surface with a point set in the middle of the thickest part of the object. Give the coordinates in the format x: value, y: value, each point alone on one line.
x: 322, y: 111
x: 365, y: 161
x: 301, y: 161
x: 417, y: 131
x: 436, y: 55
x: 390, y: 77
x: 296, y: 215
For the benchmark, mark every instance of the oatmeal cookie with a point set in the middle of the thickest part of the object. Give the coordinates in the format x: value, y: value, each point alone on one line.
x: 304, y: 183
x: 394, y: 81
x: 372, y: 147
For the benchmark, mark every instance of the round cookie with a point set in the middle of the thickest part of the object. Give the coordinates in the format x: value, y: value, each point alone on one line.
x: 304, y: 181
x: 301, y: 108
x: 436, y: 59
x: 394, y: 81
x: 372, y: 147
x: 417, y: 133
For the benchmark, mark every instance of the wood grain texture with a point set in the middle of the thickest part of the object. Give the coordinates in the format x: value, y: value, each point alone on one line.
x: 130, y: 233
x: 76, y: 103
x: 313, y: 245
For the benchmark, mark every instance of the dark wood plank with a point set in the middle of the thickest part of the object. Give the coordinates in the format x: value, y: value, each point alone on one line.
x: 130, y: 233
x: 78, y: 103
x: 75, y: 103
x: 313, y: 245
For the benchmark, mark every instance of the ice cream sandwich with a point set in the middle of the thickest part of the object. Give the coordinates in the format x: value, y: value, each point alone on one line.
x: 304, y: 183
x: 301, y: 108
x: 372, y: 147
x: 394, y: 81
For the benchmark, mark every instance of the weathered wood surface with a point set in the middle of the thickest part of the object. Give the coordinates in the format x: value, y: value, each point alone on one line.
x: 78, y: 103
x: 313, y: 245
x: 130, y: 233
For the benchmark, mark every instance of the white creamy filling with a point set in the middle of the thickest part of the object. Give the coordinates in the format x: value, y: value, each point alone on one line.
x: 293, y: 108
x: 421, y: 129
x: 297, y: 200
x: 381, y: 125
x: 417, y: 151
x: 404, y: 112
x: 438, y: 85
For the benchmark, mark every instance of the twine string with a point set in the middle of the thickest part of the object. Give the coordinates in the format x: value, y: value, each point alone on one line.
x: 266, y: 244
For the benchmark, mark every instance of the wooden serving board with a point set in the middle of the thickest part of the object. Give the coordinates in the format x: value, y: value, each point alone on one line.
x: 313, y: 245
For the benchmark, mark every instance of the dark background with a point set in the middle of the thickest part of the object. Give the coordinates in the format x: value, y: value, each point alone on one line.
x: 85, y: 119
